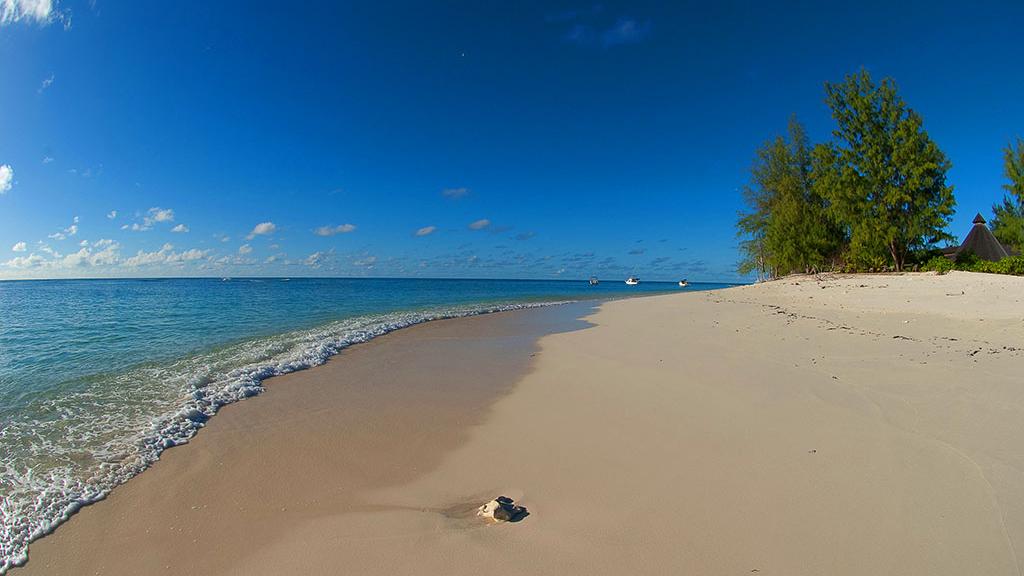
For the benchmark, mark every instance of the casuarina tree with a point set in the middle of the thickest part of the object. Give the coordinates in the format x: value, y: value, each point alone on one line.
x: 787, y: 227
x: 883, y: 176
x: 1008, y: 223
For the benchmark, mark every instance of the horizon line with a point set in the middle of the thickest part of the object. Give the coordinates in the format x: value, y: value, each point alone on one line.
x: 78, y: 278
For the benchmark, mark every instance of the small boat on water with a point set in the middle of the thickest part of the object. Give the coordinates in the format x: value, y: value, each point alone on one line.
x: 594, y: 281
x: 632, y: 281
x: 683, y: 283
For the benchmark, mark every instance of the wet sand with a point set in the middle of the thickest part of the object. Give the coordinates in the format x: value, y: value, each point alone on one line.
x: 310, y: 447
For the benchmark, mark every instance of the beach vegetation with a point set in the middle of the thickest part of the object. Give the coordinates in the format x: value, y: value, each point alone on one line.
x: 873, y: 198
x: 884, y: 177
x: 939, y: 264
x: 968, y: 262
x: 787, y: 227
x: 1008, y: 222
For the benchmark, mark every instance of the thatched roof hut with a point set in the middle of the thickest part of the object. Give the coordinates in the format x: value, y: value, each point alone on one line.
x: 982, y: 243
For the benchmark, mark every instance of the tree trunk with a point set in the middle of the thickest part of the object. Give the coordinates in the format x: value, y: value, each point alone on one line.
x: 896, y: 260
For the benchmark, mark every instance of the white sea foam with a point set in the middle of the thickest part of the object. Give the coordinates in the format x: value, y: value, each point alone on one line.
x: 90, y: 440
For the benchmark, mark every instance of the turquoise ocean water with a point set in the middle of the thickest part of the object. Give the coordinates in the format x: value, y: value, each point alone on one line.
x: 97, y: 377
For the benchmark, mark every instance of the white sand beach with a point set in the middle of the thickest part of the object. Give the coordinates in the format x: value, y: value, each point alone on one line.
x: 841, y: 425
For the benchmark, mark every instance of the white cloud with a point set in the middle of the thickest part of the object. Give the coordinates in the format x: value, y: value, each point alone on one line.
x: 69, y: 231
x: 244, y: 249
x: 37, y: 11
x: 316, y: 259
x: 19, y: 247
x: 47, y: 82
x: 426, y: 230
x: 6, y: 172
x: 30, y: 261
x: 262, y: 229
x: 142, y: 258
x: 333, y: 230
x: 366, y: 262
x: 480, y: 224
x: 80, y: 258
x: 112, y: 214
x: 166, y: 255
x: 187, y: 255
x: 47, y: 159
x: 180, y: 228
x: 153, y: 215
x: 103, y: 253
x: 106, y: 252
x: 454, y: 193
x: 160, y: 215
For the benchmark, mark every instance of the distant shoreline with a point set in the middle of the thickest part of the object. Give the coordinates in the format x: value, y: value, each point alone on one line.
x: 456, y: 279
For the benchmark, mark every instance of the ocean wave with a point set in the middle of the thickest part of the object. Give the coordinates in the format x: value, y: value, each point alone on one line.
x: 72, y: 448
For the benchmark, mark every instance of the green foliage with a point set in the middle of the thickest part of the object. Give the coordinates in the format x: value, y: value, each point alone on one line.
x: 754, y: 258
x: 939, y: 264
x: 1008, y: 223
x: 874, y: 198
x: 919, y: 258
x: 1013, y: 169
x: 883, y: 177
x: 967, y: 260
x: 787, y: 228
x: 752, y: 226
x: 1014, y: 265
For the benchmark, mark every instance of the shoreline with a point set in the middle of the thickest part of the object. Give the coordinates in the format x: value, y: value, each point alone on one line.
x: 181, y: 420
x: 313, y: 389
x: 840, y: 425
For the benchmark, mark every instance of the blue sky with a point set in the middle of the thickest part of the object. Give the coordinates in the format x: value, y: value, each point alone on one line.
x: 528, y: 140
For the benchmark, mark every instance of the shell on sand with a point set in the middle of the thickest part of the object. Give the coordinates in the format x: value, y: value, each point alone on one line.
x: 502, y: 509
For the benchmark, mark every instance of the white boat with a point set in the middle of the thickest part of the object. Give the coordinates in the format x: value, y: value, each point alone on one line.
x: 683, y: 283
x: 632, y: 281
x: 594, y: 281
